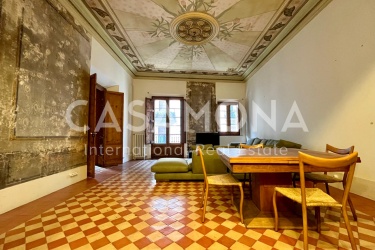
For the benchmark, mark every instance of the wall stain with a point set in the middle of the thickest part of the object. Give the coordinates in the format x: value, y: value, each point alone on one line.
x: 45, y: 67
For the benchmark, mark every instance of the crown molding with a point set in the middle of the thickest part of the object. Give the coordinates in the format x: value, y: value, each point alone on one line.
x: 82, y: 14
x: 302, y: 18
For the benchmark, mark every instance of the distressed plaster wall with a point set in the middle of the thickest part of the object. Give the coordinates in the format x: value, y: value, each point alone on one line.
x: 45, y: 66
x: 200, y: 97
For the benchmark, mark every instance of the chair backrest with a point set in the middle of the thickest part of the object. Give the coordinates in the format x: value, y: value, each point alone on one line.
x: 200, y: 153
x: 341, y: 151
x: 251, y: 146
x: 345, y: 163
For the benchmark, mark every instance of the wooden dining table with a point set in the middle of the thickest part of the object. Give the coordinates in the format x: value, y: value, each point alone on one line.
x: 269, y: 167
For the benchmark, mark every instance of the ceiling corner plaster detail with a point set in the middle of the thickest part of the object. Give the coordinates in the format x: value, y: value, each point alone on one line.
x: 154, y: 36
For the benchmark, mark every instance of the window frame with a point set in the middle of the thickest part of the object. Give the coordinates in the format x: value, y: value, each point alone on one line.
x: 228, y: 124
x: 182, y: 119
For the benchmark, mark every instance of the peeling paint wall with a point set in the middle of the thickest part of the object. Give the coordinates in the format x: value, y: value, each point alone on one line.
x: 44, y: 68
x: 201, y: 96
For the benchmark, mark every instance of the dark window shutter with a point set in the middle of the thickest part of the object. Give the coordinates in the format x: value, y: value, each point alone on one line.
x: 149, y: 105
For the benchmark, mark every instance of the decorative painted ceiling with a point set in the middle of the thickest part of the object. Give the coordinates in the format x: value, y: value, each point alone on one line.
x: 209, y: 39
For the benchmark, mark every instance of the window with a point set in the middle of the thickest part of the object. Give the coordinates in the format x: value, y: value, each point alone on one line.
x: 228, y: 118
x: 168, y: 120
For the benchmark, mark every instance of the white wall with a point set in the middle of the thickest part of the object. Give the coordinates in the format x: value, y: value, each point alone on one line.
x: 147, y: 88
x: 111, y: 74
x: 143, y: 88
x: 328, y: 69
x: 23, y: 193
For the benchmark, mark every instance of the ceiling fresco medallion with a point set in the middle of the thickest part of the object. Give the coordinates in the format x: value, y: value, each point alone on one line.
x: 194, y: 28
x: 219, y: 38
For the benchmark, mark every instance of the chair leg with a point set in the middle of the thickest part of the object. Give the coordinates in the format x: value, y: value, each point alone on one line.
x: 352, y: 208
x: 241, y: 204
x: 318, y: 219
x: 203, y: 192
x: 305, y: 229
x: 250, y: 186
x: 275, y: 210
x: 350, y: 200
x: 204, y: 204
x: 231, y: 195
x: 327, y: 188
x: 294, y: 179
x: 348, y: 228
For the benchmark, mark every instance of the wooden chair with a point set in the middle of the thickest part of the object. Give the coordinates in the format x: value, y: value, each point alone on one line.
x: 316, y: 178
x: 315, y: 197
x: 218, y: 180
x: 245, y: 175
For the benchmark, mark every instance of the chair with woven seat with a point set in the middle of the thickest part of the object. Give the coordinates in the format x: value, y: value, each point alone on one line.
x: 218, y: 180
x: 316, y: 178
x: 315, y: 197
x: 245, y: 175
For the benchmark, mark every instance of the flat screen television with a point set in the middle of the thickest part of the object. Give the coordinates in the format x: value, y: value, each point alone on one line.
x: 207, y: 138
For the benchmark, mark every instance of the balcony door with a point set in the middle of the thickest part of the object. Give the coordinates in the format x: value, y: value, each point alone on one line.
x: 168, y: 127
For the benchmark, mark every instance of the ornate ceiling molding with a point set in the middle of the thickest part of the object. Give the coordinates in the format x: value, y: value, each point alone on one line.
x: 194, y: 28
x: 200, y: 57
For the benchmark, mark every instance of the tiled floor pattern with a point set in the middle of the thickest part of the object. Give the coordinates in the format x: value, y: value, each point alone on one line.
x: 131, y: 211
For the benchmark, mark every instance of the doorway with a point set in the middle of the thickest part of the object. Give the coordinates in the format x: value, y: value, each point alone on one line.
x: 105, y: 134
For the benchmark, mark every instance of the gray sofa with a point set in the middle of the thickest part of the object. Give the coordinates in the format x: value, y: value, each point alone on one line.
x: 270, y: 143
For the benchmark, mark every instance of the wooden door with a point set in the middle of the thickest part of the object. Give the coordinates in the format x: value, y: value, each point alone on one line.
x: 113, y: 132
x: 91, y: 135
x: 99, y: 141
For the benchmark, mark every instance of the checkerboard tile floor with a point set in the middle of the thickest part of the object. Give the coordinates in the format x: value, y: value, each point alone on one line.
x: 131, y: 211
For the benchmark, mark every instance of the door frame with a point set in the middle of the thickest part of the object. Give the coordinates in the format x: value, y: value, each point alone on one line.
x: 172, y: 147
x: 91, y: 145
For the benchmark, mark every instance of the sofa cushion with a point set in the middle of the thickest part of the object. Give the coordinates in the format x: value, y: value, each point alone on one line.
x: 212, y: 161
x: 222, y: 146
x: 190, y: 166
x: 270, y: 143
x: 287, y: 144
x: 256, y: 141
x: 235, y: 144
x: 170, y: 165
x: 250, y: 141
x: 203, y: 147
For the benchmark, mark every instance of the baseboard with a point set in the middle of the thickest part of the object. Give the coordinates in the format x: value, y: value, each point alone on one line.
x: 362, y: 187
x: 126, y: 158
x: 15, y: 196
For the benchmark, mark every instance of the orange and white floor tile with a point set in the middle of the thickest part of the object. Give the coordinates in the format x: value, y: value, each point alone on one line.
x: 129, y: 210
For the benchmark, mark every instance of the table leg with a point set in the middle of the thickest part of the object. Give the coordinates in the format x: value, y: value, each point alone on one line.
x: 263, y: 186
